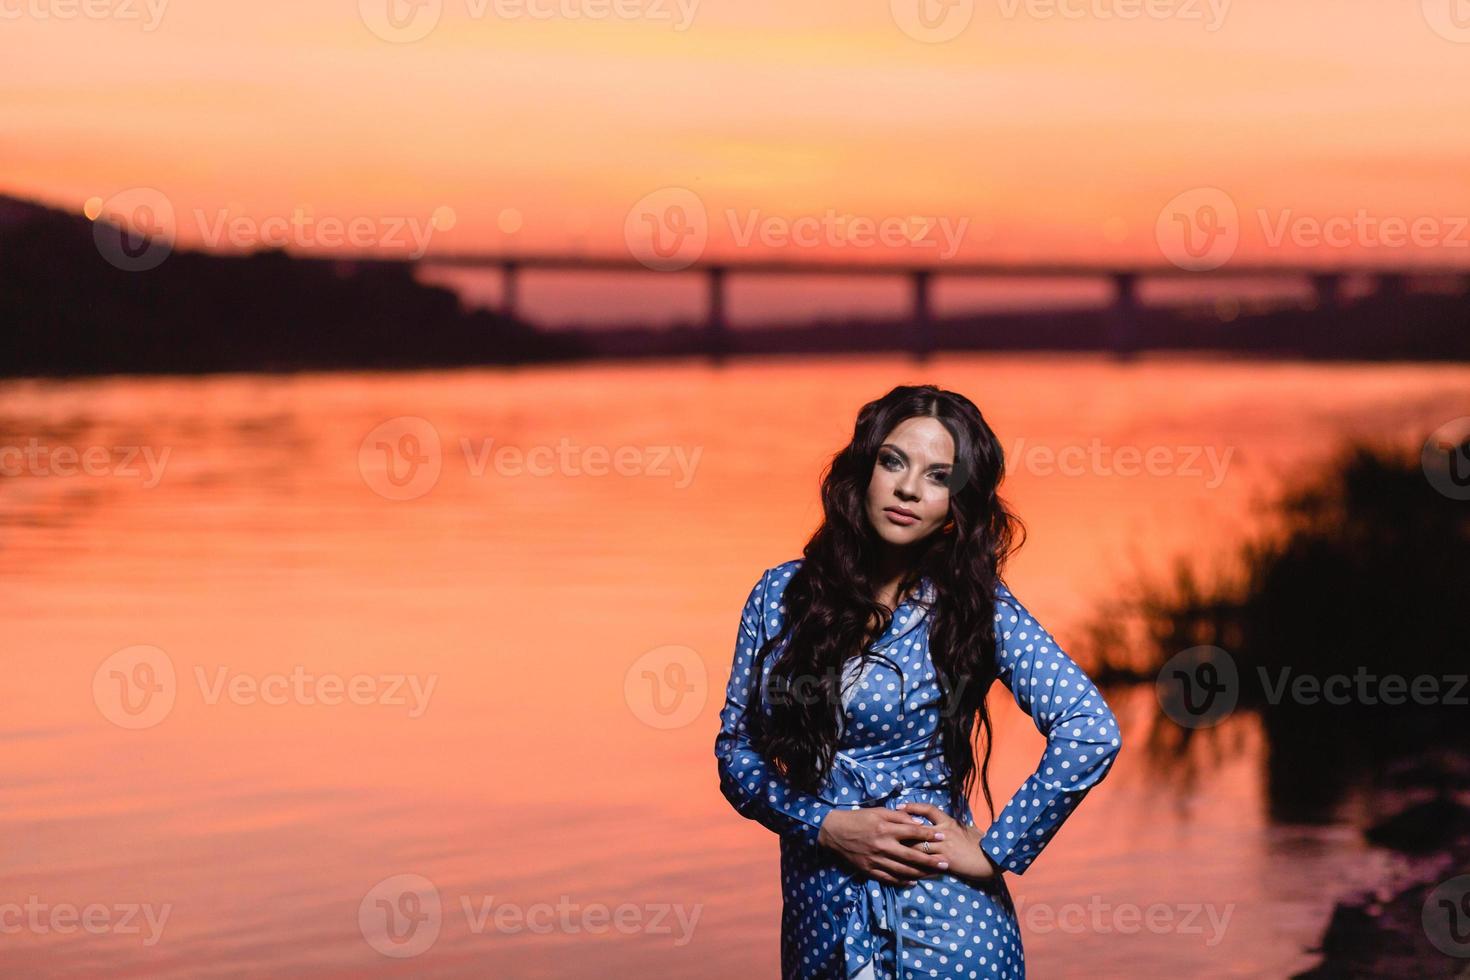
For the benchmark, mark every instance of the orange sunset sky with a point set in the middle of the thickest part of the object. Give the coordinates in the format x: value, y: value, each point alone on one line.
x: 1055, y: 130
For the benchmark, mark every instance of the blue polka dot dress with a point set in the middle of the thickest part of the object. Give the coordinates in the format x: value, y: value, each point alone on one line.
x: 839, y: 923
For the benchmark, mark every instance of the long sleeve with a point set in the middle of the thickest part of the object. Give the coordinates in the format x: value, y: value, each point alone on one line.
x: 1082, y: 736
x: 753, y: 787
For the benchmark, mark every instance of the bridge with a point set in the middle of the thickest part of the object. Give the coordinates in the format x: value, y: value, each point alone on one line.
x: 1325, y: 282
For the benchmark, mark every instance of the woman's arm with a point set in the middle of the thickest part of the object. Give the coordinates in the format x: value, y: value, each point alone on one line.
x: 752, y: 786
x: 1082, y: 736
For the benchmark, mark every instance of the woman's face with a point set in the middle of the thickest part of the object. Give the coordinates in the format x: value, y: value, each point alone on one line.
x: 907, y: 497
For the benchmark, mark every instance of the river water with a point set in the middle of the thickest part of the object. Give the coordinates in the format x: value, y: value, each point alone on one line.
x: 276, y: 642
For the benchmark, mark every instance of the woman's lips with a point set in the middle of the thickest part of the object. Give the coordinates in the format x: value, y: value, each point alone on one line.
x: 900, y: 518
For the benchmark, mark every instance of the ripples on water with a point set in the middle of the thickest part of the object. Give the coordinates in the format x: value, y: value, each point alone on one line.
x: 258, y: 544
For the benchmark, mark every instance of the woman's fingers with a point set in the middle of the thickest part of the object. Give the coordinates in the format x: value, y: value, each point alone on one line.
x: 885, y: 877
x: 912, y: 857
x: 936, y: 815
x: 917, y: 831
x: 930, y: 862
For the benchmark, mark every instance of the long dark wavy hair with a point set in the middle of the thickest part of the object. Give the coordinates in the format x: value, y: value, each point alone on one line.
x: 829, y: 601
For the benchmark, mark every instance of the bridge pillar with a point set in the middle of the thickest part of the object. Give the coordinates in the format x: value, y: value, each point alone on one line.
x: 1392, y: 284
x: 715, y: 327
x: 1123, y: 315
x: 508, y: 289
x: 922, y: 315
x: 1328, y: 287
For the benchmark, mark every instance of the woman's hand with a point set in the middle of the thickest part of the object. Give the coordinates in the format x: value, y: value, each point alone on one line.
x: 875, y: 840
x: 959, y: 845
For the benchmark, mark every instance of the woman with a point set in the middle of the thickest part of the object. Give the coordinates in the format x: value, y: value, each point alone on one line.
x: 861, y: 758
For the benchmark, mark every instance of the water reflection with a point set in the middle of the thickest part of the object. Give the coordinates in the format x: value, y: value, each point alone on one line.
x: 271, y: 572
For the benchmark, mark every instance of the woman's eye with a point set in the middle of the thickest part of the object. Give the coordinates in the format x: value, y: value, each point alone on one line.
x: 890, y: 461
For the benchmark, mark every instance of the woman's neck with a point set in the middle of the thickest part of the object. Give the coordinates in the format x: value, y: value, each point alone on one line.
x: 893, y: 567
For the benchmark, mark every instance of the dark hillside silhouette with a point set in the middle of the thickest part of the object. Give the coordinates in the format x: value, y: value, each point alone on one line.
x: 67, y: 310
